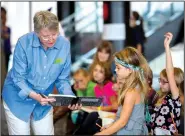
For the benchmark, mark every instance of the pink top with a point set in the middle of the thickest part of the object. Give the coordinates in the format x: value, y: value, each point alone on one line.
x: 106, y: 92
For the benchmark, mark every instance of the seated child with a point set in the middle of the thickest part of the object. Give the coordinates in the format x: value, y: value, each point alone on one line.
x: 166, y: 113
x: 101, y: 74
x: 83, y: 85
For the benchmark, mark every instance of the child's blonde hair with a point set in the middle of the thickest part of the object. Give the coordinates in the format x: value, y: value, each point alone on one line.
x: 182, y: 93
x: 179, y: 77
x: 131, y: 56
x: 182, y: 87
x: 81, y: 71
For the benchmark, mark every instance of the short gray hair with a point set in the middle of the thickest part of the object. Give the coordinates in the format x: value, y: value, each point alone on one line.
x: 45, y: 19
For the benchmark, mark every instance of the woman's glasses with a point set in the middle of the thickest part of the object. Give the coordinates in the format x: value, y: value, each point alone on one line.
x: 47, y: 38
x: 162, y: 81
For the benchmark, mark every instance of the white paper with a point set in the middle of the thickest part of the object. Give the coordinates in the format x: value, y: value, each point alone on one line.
x: 160, y: 131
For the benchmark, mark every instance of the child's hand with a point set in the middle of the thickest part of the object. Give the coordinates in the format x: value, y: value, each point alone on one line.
x: 76, y: 87
x: 105, y: 127
x: 98, y: 133
x: 75, y: 107
x: 115, y: 87
x: 93, y: 108
x: 168, y: 38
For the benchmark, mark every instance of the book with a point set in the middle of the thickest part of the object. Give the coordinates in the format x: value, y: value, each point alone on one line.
x: 65, y: 100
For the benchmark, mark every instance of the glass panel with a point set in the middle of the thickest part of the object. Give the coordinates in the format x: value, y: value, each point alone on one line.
x: 88, y: 22
x: 140, y: 7
x: 157, y: 12
x: 178, y: 6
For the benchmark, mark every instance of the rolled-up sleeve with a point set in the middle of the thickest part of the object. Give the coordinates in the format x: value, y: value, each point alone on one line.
x: 19, y: 71
x: 63, y: 81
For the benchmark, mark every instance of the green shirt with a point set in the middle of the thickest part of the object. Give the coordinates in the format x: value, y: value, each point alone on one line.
x: 89, y: 91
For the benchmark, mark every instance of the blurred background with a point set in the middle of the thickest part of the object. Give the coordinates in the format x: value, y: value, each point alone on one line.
x: 85, y: 24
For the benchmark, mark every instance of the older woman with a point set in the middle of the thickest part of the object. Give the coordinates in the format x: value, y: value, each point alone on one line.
x: 41, y: 60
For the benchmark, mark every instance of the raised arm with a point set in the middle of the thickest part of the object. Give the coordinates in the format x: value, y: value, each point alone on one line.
x: 169, y: 66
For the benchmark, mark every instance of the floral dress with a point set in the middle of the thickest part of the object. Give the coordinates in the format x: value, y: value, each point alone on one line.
x: 161, y: 116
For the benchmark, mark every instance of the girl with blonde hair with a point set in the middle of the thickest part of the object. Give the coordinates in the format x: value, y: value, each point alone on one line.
x: 131, y: 68
x: 166, y: 113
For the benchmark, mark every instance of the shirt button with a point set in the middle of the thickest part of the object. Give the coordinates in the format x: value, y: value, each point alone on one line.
x: 44, y: 77
x: 44, y: 66
x: 33, y: 104
x: 45, y: 56
x: 42, y: 88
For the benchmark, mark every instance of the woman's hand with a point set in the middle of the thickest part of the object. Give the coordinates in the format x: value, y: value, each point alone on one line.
x: 168, y: 38
x: 40, y: 99
x: 46, y: 100
x: 75, y: 107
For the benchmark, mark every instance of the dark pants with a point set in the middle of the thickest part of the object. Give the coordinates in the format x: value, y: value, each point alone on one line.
x: 89, y: 127
x: 181, y: 128
x: 7, y: 57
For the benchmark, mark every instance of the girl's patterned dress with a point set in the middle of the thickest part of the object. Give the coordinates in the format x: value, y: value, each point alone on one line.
x: 161, y: 115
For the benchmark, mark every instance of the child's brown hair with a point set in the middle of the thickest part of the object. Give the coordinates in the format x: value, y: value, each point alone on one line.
x: 179, y: 76
x: 107, y: 70
x: 104, y: 45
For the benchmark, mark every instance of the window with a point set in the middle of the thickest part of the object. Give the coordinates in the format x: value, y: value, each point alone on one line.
x: 20, y: 20
x: 18, y: 16
x: 17, y: 19
x: 155, y: 14
x: 38, y: 6
x: 90, y: 14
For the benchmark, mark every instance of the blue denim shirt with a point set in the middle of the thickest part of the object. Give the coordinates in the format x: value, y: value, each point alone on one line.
x: 36, y: 69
